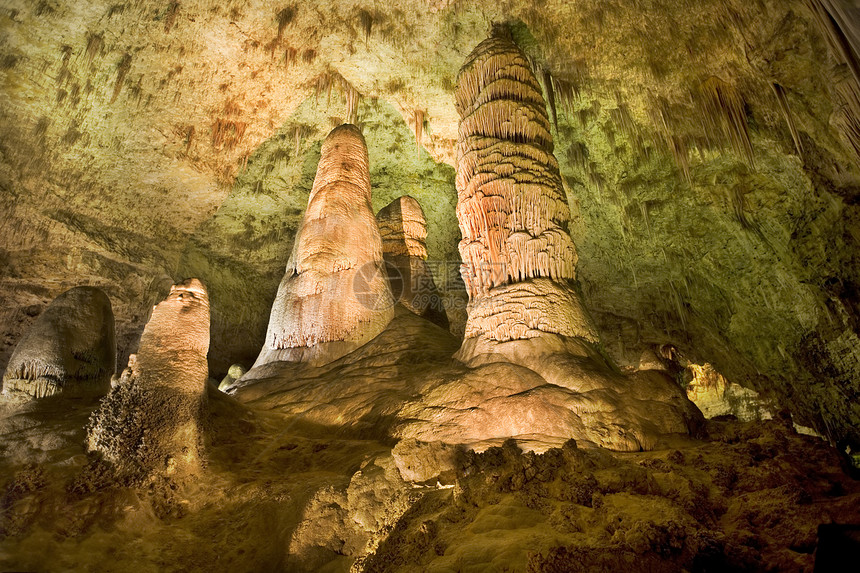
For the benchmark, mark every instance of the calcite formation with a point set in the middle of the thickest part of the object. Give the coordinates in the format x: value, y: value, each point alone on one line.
x: 70, y: 349
x: 534, y: 371
x: 404, y: 233
x: 518, y: 257
x: 334, y: 296
x: 150, y: 421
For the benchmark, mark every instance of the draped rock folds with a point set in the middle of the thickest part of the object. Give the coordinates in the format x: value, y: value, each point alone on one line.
x: 334, y: 296
x: 517, y: 254
x: 70, y: 349
x: 151, y: 420
x: 404, y: 230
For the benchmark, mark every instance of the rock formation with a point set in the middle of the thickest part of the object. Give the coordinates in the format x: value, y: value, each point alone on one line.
x: 70, y: 349
x: 334, y: 296
x: 404, y: 231
x: 235, y: 372
x: 518, y: 257
x: 150, y: 421
x: 534, y: 370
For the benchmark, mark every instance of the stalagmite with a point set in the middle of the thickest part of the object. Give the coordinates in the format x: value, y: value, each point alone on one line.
x: 532, y: 368
x: 70, y: 349
x: 518, y: 258
x: 150, y: 421
x: 404, y: 230
x: 334, y: 296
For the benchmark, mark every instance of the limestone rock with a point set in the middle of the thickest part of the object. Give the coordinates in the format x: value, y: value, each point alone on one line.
x: 715, y: 396
x: 334, y: 296
x: 150, y: 421
x: 235, y: 372
x: 404, y: 232
x: 70, y: 349
x: 534, y: 369
x: 517, y: 254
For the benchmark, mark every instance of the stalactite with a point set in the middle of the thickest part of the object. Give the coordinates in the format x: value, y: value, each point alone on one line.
x: 365, y: 20
x: 723, y: 111
x: 779, y: 92
x: 95, y: 43
x: 122, y: 70
x: 550, y: 96
x: 329, y: 80
x: 676, y: 144
x: 285, y: 18
x: 418, y: 126
x: 171, y: 15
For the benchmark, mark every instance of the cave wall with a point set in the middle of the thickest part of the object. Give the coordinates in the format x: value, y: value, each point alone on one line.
x: 706, y: 150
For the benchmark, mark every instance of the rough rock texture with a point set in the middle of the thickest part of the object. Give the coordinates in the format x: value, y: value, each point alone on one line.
x: 533, y: 368
x: 403, y: 229
x: 145, y: 142
x: 746, y: 501
x: 69, y: 349
x: 281, y: 494
x: 334, y: 296
x: 150, y: 421
x: 517, y: 254
x: 715, y: 396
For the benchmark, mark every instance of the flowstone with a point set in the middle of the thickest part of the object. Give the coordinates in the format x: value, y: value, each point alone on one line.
x: 70, y: 349
x: 150, y: 421
x: 334, y: 296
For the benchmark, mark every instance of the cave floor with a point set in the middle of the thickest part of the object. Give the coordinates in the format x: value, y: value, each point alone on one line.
x: 280, y: 494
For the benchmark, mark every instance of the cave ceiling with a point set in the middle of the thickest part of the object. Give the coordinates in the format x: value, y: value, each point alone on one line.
x: 709, y: 152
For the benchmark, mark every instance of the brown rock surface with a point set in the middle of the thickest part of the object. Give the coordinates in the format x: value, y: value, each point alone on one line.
x: 334, y: 296
x: 150, y: 421
x: 69, y: 349
x: 529, y: 343
x: 404, y: 232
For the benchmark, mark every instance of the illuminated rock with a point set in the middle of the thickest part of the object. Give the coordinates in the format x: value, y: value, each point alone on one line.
x: 534, y: 371
x: 404, y: 231
x: 517, y: 254
x: 235, y: 372
x: 150, y: 421
x: 715, y: 396
x: 334, y: 296
x: 70, y: 349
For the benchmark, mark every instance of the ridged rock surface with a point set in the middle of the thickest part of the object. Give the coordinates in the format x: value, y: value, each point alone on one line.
x: 334, y: 296
x: 517, y: 253
x: 150, y: 421
x: 403, y: 228
x: 70, y: 349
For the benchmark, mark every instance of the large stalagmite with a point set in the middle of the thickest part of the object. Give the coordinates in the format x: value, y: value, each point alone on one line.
x: 150, y: 421
x: 404, y: 232
x: 534, y: 370
x: 70, y: 349
x: 334, y: 296
x: 518, y: 257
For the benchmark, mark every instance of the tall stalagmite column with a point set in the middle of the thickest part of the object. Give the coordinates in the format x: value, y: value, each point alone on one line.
x: 518, y: 258
x: 334, y: 296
